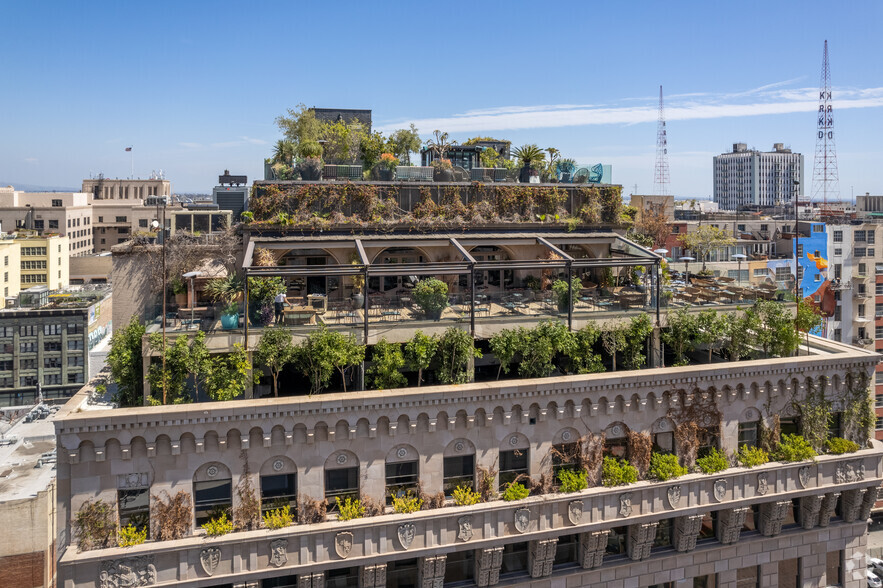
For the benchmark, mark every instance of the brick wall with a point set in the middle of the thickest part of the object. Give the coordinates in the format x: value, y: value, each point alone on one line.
x: 22, y: 571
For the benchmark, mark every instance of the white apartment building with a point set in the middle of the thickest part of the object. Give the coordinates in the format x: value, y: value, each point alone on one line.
x: 68, y: 214
x: 747, y: 177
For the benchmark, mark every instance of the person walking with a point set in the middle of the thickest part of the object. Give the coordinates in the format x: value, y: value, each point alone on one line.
x: 279, y: 304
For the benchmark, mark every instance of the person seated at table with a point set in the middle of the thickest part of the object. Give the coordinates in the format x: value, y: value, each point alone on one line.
x: 278, y: 305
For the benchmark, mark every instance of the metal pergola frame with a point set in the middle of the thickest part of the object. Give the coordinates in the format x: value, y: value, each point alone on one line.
x: 631, y: 254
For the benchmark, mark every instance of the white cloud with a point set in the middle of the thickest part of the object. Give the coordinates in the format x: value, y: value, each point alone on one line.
x: 189, y: 145
x: 30, y: 160
x: 768, y: 99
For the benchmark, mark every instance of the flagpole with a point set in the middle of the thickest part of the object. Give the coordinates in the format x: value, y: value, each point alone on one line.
x: 132, y: 151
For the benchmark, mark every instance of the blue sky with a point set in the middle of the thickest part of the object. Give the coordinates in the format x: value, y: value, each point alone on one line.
x: 195, y: 86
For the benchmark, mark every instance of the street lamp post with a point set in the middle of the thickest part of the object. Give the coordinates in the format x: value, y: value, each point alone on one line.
x: 739, y: 257
x: 192, y: 276
x: 687, y: 261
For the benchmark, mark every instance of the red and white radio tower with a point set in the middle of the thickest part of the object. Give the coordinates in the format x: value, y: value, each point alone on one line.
x: 661, y: 181
x: 825, y: 178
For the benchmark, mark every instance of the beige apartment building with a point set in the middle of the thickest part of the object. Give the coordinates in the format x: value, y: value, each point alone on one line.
x: 61, y: 213
x: 44, y: 261
x: 10, y: 254
x: 102, y: 188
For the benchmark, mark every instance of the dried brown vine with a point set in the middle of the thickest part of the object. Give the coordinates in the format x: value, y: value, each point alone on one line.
x: 430, y: 501
x: 247, y: 515
x: 486, y: 477
x: 96, y: 525
x: 172, y: 516
x: 311, y: 511
x: 372, y: 507
x: 640, y: 446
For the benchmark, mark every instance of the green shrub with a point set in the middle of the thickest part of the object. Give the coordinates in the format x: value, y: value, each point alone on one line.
x: 431, y: 294
x: 794, y: 448
x: 466, y: 496
x: 752, y: 456
x: 573, y: 480
x: 350, y: 509
x: 130, y: 536
x: 715, y: 461
x: 515, y: 491
x: 278, y: 518
x: 839, y: 446
x: 665, y: 467
x: 407, y: 503
x: 218, y: 526
x: 616, y: 472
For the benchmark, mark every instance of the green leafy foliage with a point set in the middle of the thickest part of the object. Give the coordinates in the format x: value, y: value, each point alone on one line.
x: 466, y: 496
x: 455, y: 348
x: 705, y: 239
x: 387, y: 364
x: 419, y: 352
x: 636, y: 333
x: 738, y: 334
x: 431, y: 295
x: 750, y: 457
x: 775, y: 329
x: 126, y: 367
x: 583, y: 359
x: 615, y: 472
x: 665, y: 467
x: 227, y: 374
x: 350, y: 509
x: 325, y: 351
x: 274, y: 351
x: 794, y: 448
x: 572, y: 480
x: 681, y: 334
x: 613, y: 338
x: 839, y: 446
x: 406, y: 503
x: 710, y: 330
x: 515, y: 491
x: 278, y: 518
x: 177, y: 364
x: 131, y: 535
x: 715, y: 461
x: 565, y: 295
x: 218, y: 526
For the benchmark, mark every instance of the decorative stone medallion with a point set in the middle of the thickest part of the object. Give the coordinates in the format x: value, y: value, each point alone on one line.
x: 279, y: 553
x: 129, y: 572
x: 278, y: 465
x: 343, y: 544
x: 566, y: 436
x: 406, y: 534
x: 458, y: 446
x: 720, y: 489
x: 211, y: 471
x: 616, y: 430
x: 513, y: 440
x: 210, y: 557
x: 803, y: 476
x: 522, y: 520
x: 402, y: 452
x: 575, y: 512
x: 674, y: 496
x: 341, y: 459
x: 134, y: 480
x: 763, y: 485
x: 465, y: 526
x: 625, y: 505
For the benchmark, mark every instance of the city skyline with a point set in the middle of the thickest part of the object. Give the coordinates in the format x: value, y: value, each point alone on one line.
x: 194, y: 96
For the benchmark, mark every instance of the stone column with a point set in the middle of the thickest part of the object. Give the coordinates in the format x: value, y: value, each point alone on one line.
x: 431, y: 573
x: 769, y: 575
x: 852, y: 504
x: 729, y: 524
x: 541, y: 556
x: 487, y: 566
x: 812, y: 569
x: 727, y: 579
x: 810, y: 508
x: 771, y: 516
x: 592, y: 547
x: 311, y: 580
x: 826, y: 511
x: 372, y: 576
x: 687, y: 532
x: 640, y: 539
x: 868, y: 501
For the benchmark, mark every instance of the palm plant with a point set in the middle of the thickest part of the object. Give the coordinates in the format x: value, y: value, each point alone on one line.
x: 283, y: 152
x: 528, y: 154
x: 440, y: 145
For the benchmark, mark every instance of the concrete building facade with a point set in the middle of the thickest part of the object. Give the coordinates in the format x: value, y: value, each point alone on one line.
x: 68, y: 214
x: 103, y: 188
x: 747, y: 177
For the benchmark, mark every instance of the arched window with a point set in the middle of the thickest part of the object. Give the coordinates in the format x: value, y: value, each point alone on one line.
x: 402, y: 472
x: 459, y: 465
x: 279, y: 484
x: 341, y: 478
x: 212, y: 492
x: 514, y: 459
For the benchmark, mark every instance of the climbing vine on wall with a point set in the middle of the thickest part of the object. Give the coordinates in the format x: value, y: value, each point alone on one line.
x: 702, y: 413
x: 640, y: 446
x: 96, y: 525
x: 859, y: 417
x: 172, y: 516
x: 815, y: 412
x: 247, y: 514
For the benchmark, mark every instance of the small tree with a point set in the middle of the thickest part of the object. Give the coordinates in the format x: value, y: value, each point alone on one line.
x: 455, y: 348
x: 96, y: 525
x: 739, y: 332
x: 325, y: 351
x: 387, y: 363
x: 404, y: 141
x: 808, y: 318
x: 540, y: 345
x: 680, y: 334
x: 505, y: 347
x: 639, y: 328
x: 776, y: 331
x: 419, y: 352
x: 274, y: 351
x: 227, y: 375
x: 710, y: 330
x: 704, y: 240
x: 125, y: 361
x: 198, y: 361
x: 613, y: 340
x: 176, y: 372
x: 583, y: 359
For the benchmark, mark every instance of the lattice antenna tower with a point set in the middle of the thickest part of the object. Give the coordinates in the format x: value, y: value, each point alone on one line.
x: 661, y: 181
x: 825, y: 178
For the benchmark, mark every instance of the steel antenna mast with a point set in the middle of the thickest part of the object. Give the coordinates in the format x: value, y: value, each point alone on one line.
x: 825, y: 178
x: 661, y: 181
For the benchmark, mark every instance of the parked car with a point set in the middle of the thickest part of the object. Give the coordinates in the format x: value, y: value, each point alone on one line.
x: 873, y: 580
x: 876, y: 566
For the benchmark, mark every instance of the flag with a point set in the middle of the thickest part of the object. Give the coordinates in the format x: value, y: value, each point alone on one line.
x: 128, y: 148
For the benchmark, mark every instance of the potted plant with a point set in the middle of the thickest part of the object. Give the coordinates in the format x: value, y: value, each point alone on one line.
x: 565, y: 297
x: 358, y: 285
x: 311, y: 167
x: 226, y: 291
x: 261, y: 292
x: 528, y: 156
x: 431, y: 295
x: 179, y: 291
x: 442, y: 170
x: 387, y: 166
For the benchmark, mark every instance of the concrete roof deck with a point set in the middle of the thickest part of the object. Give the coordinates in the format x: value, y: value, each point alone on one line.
x: 19, y: 475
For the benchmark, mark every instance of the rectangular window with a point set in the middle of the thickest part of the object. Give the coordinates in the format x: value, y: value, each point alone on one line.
x: 760, y: 272
x: 708, y: 530
x: 121, y: 219
x: 861, y: 311
x: 5, y: 365
x: 51, y: 362
x: 27, y: 381
x: 340, y: 484
x: 75, y: 361
x: 565, y: 456
x: 74, y: 344
x: 134, y: 506
x: 56, y: 203
x: 142, y: 223
x: 617, y: 538
x: 75, y: 328
x: 838, y: 251
x: 459, y: 471
x: 101, y: 219
x: 402, y: 573
x: 27, y: 364
x: 52, y: 329
x: 838, y: 236
x: 859, y: 236
x: 339, y: 578
x: 748, y: 434
x: 210, y: 499
x: 460, y: 568
x: 53, y: 224
x: 51, y: 345
x: 51, y: 379
x: 513, y: 464
x: 514, y: 560
x: 401, y: 478
x: 566, y: 552
x: 871, y: 237
x: 664, y: 532
x: 33, y: 265
x: 862, y: 269
x: 664, y: 443
x: 75, y: 378
x: 27, y: 347
x: 278, y: 491
x: 28, y: 330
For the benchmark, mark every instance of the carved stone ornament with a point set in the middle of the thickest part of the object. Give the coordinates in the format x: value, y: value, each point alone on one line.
x: 575, y: 511
x: 720, y: 489
x: 522, y: 520
x: 211, y: 471
x: 135, y: 480
x: 279, y: 553
x: 341, y: 459
x: 763, y: 485
x: 566, y: 436
x: 127, y: 573
x: 406, y: 534
x: 465, y: 526
x: 674, y: 496
x: 513, y: 440
x: 402, y: 452
x: 278, y: 465
x: 343, y: 544
x: 625, y: 505
x: 853, y: 471
x: 803, y: 476
x: 210, y: 557
x: 459, y: 446
x: 616, y: 430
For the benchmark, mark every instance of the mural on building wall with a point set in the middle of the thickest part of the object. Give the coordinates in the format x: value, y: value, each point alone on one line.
x: 815, y: 284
